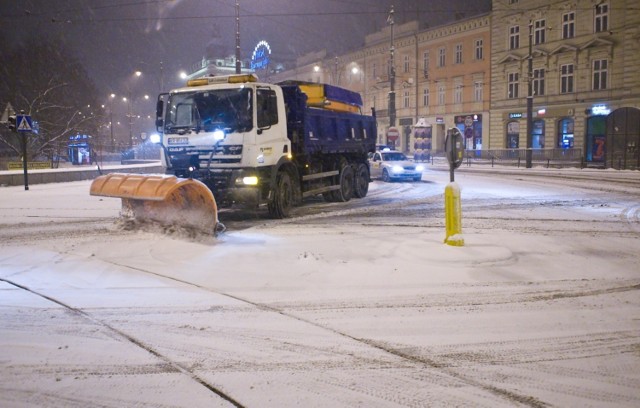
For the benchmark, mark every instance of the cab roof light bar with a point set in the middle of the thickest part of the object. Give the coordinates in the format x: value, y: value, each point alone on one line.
x: 223, y: 79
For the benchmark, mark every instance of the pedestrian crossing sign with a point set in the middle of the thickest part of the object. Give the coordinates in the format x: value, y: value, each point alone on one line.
x: 24, y: 123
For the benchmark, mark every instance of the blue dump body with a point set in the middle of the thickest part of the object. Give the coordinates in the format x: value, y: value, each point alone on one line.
x: 343, y: 95
x: 317, y: 131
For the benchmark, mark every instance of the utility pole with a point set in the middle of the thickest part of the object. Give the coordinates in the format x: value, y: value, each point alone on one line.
x: 392, y: 76
x: 238, y: 64
x: 529, y: 152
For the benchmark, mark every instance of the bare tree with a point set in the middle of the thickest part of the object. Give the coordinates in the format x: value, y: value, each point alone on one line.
x: 45, y: 81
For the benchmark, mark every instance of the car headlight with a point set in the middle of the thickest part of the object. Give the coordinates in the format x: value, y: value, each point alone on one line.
x: 397, y: 169
x: 419, y: 167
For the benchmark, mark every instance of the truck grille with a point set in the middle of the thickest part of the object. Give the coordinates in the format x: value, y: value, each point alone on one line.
x: 227, y: 154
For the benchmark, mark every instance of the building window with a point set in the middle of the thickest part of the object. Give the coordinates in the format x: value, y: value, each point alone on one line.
x: 512, y: 85
x: 514, y: 37
x: 374, y: 70
x: 479, y: 49
x: 513, y: 1
x: 442, y: 53
x: 600, y: 70
x: 513, y: 135
x: 601, y: 22
x: 405, y: 99
x: 565, y: 133
x: 539, y: 32
x: 425, y: 64
x: 537, y: 134
x: 538, y: 82
x: 441, y: 94
x: 458, y: 54
x: 425, y: 97
x: 457, y: 93
x: 477, y: 91
x: 406, y: 64
x: 568, y: 25
x: 566, y: 78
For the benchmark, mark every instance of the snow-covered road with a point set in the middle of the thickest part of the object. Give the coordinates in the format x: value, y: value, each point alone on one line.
x: 347, y: 304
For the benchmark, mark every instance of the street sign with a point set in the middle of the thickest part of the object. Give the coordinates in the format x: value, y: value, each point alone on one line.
x: 393, y: 133
x: 24, y: 123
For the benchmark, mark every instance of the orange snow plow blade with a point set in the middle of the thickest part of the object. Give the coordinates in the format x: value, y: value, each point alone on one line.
x: 168, y: 200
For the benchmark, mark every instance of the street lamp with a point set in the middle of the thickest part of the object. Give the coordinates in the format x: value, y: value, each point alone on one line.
x: 113, y: 140
x: 529, y: 152
x: 392, y: 76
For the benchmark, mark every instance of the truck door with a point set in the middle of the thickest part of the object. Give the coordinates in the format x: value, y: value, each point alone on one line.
x: 271, y: 139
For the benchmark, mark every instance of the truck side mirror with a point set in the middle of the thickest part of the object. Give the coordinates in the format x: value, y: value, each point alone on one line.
x: 160, y: 113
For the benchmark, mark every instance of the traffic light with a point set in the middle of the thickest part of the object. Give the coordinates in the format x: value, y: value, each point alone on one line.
x: 12, y: 123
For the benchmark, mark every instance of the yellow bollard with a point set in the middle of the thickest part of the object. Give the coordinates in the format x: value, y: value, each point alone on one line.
x: 453, y: 215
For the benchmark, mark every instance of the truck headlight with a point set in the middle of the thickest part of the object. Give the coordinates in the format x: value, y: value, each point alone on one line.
x: 247, y: 181
x: 218, y: 134
x: 155, y: 138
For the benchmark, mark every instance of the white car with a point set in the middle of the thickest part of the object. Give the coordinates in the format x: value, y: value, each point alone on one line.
x: 392, y: 165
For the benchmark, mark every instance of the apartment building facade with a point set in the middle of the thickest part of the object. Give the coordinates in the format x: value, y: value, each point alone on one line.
x: 442, y: 79
x: 584, y: 78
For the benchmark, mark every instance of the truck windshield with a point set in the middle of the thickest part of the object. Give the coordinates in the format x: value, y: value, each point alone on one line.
x: 228, y: 109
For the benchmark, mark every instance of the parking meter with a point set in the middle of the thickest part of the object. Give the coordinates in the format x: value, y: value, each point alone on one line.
x: 453, y: 147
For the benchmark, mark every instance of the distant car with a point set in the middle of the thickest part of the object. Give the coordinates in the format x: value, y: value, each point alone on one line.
x: 392, y: 165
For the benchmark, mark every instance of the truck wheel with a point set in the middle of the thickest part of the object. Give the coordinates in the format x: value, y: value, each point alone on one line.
x: 385, y: 176
x: 362, y: 178
x: 347, y: 181
x: 280, y: 205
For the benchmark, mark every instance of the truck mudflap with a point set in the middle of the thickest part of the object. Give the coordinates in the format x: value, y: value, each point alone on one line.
x: 168, y: 200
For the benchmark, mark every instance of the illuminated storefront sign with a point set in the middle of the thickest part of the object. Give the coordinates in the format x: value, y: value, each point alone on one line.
x: 261, y: 56
x: 515, y: 115
x: 598, y: 110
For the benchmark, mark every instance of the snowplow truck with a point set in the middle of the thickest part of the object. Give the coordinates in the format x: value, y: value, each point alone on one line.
x: 254, y: 144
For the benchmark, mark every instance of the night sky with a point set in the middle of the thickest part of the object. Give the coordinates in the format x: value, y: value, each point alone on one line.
x: 114, y: 38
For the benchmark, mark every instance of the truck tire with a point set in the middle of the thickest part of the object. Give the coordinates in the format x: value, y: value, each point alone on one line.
x: 362, y: 178
x: 280, y: 205
x: 347, y: 181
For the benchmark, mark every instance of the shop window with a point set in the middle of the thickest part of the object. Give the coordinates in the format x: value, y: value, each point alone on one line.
x: 565, y: 133
x: 595, y: 139
x: 513, y: 135
x: 537, y: 134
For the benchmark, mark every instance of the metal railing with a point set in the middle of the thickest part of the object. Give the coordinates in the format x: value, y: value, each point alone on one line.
x: 556, y: 157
